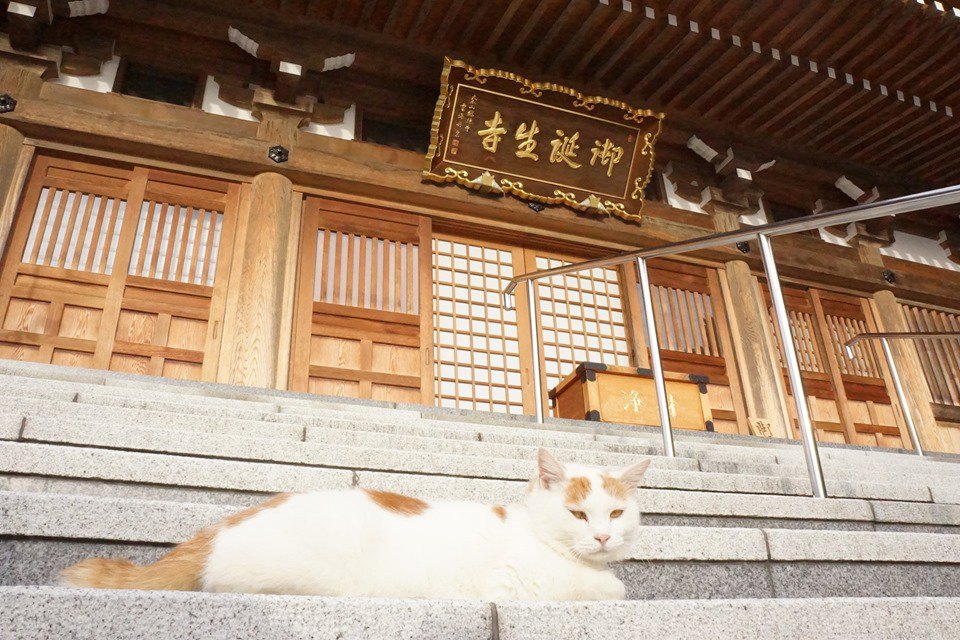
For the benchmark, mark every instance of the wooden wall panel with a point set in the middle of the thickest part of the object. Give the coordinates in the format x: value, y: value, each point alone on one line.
x: 26, y: 315
x: 18, y: 351
x: 330, y: 387
x: 181, y: 370
x: 113, y: 267
x: 69, y: 358
x: 361, y: 320
x: 849, y: 398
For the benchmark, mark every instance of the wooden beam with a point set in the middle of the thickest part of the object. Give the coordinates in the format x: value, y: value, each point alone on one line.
x: 346, y: 167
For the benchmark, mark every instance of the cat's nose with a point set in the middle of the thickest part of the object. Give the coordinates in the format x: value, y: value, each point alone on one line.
x: 601, y: 538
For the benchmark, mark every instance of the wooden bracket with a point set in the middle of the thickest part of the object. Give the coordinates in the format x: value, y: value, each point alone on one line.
x: 950, y: 241
x: 89, y: 53
x: 25, y: 21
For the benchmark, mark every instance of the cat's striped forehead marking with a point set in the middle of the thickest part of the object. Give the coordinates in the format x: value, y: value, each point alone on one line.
x: 403, y: 505
x: 500, y: 512
x: 615, y: 487
x: 578, y: 488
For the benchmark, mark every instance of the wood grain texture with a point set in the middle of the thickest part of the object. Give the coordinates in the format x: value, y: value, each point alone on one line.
x: 329, y: 166
x: 759, y: 370
x: 253, y: 320
x: 890, y: 318
x: 15, y: 159
x: 285, y: 344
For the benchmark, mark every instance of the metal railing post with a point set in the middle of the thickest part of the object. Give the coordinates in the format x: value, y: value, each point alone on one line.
x: 810, y: 451
x: 535, y: 348
x: 653, y: 342
x: 902, y: 397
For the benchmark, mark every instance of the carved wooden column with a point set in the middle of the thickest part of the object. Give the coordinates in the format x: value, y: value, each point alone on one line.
x: 891, y: 318
x: 259, y: 310
x: 21, y: 76
x: 257, y: 294
x: 755, y: 357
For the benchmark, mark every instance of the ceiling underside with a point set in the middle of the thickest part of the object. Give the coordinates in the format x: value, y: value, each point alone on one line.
x: 869, y: 89
x: 869, y: 81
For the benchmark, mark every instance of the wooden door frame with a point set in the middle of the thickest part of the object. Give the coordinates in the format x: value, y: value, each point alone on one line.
x: 133, y: 182
x: 312, y: 208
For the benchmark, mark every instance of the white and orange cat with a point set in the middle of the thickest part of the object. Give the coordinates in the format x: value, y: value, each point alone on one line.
x: 554, y: 545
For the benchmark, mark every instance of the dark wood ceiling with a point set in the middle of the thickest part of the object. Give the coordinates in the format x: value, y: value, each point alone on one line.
x: 869, y: 89
x: 869, y: 81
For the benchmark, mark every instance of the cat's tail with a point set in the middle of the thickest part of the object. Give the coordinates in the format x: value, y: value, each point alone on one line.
x: 179, y: 570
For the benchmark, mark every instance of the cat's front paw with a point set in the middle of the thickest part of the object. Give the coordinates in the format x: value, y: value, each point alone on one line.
x: 612, y: 588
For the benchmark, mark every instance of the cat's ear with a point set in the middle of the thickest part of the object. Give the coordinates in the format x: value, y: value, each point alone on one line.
x: 633, y: 474
x: 549, y: 468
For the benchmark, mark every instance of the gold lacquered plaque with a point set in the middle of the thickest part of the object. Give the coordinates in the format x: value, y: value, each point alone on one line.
x: 498, y: 133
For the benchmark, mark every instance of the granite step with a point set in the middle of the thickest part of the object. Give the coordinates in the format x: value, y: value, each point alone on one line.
x: 331, y: 426
x: 324, y: 423
x: 368, y: 435
x: 42, y: 613
x: 108, y: 472
x: 782, y: 619
x: 40, y: 534
x: 420, y: 462
x: 45, y: 373
x: 132, y: 394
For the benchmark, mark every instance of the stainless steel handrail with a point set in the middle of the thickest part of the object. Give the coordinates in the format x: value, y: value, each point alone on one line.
x: 884, y: 339
x: 859, y: 213
x: 763, y: 233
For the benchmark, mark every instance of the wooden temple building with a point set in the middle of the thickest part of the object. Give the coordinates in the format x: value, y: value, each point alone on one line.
x: 235, y: 191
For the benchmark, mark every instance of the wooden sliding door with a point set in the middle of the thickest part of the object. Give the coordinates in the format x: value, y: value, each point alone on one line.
x: 118, y: 268
x: 849, y: 398
x: 583, y: 317
x: 695, y: 335
x: 478, y: 344
x: 363, y: 315
x: 940, y: 360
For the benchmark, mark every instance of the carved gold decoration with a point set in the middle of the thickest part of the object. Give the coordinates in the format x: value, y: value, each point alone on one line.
x: 648, y: 149
x: 490, y: 184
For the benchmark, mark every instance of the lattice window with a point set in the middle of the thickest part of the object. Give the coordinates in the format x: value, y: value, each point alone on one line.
x: 582, y: 320
x: 864, y: 361
x: 368, y: 272
x: 176, y: 242
x: 477, y: 348
x: 685, y: 321
x: 940, y: 359
x: 802, y: 326
x: 74, y: 230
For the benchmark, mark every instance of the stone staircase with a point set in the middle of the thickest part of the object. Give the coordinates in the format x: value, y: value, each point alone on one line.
x: 106, y: 464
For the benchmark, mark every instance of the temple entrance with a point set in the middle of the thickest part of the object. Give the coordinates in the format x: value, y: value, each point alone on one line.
x: 117, y: 268
x: 363, y: 304
x: 849, y: 398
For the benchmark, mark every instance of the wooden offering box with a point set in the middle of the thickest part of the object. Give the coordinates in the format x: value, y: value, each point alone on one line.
x: 627, y: 395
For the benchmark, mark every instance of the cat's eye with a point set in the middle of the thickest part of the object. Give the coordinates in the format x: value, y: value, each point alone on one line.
x: 616, y: 514
x: 579, y: 515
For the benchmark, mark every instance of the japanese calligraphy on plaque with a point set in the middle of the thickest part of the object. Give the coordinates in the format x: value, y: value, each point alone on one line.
x: 498, y: 133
